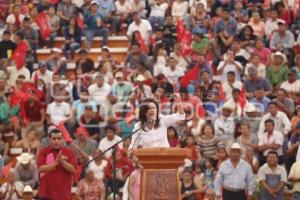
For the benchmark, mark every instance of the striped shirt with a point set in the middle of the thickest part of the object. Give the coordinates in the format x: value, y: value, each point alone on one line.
x: 209, y: 146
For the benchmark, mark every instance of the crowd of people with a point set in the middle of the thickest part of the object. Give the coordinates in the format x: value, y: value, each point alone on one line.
x: 220, y: 78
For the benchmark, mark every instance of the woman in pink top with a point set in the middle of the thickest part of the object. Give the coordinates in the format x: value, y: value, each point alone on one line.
x: 134, y: 184
x: 257, y: 25
x: 263, y: 52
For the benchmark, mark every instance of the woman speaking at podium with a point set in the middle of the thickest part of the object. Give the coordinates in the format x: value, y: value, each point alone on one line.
x: 152, y: 125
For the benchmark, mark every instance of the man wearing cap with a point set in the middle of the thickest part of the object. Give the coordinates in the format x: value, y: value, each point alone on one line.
x: 26, y: 172
x: 255, y: 81
x: 141, y: 89
x: 236, y: 177
x: 42, y: 73
x: 272, y: 178
x: 56, y: 166
x: 122, y: 89
x: 95, y: 25
x: 292, y: 85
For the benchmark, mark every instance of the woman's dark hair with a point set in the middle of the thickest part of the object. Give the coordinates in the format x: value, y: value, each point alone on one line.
x: 175, y: 131
x: 270, y: 121
x: 75, y: 18
x: 248, y: 27
x: 205, y: 125
x: 144, y: 107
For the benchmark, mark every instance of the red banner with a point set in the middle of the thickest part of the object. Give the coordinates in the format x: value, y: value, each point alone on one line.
x: 80, y: 22
x: 54, y: 2
x: 20, y: 54
x: 141, y: 41
x: 65, y: 132
x: 184, y: 38
x: 41, y: 21
x: 191, y: 75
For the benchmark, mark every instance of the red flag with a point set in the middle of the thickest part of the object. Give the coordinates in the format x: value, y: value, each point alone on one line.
x: 141, y: 41
x: 7, y: 167
x: 20, y: 54
x: 54, y: 2
x: 221, y: 92
x: 184, y: 38
x: 80, y: 22
x: 242, y: 97
x: 41, y: 21
x: 191, y: 75
x: 65, y: 132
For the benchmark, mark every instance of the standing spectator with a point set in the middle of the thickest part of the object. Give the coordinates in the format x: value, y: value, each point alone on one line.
x: 72, y: 34
x: 54, y: 25
x: 65, y: 10
x: 26, y: 172
x: 247, y: 140
x: 281, y: 121
x: 98, y: 165
x: 257, y: 25
x: 294, y: 177
x: 173, y: 72
x: 109, y: 140
x: 292, y: 85
x: 11, y: 189
x: 297, y: 64
x: 158, y: 13
x: 122, y: 89
x: 277, y: 72
x: 238, y: 181
x: 263, y: 52
x: 260, y: 101
x: 141, y: 25
x: 179, y: 9
x: 271, y: 25
x: 122, y: 15
x: 106, y: 9
x: 56, y: 164
x: 271, y: 140
x: 285, y: 103
x: 90, y: 188
x: 257, y: 64
x: 83, y: 144
x: 231, y: 84
x: 58, y: 111
x: 15, y: 19
x: 135, y: 56
x: 95, y: 25
x: 86, y: 63
x: 272, y: 178
x: 7, y: 46
x: 42, y: 73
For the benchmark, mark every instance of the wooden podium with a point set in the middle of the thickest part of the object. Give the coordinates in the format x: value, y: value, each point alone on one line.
x: 160, y: 178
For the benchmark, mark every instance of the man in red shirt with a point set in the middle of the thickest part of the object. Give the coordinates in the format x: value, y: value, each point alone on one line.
x: 56, y: 166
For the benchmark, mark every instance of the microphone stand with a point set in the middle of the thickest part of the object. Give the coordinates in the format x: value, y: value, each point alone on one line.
x: 113, y: 148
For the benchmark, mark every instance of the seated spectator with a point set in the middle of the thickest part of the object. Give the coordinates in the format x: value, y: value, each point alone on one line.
x: 30, y: 143
x: 15, y: 19
x: 255, y: 83
x: 271, y: 25
x: 58, y: 111
x: 107, y: 61
x: 7, y: 46
x: 257, y: 64
x: 85, y: 62
x: 208, y: 142
x: 8, y: 111
x: 135, y: 56
x: 83, y: 144
x: 188, y: 188
x: 57, y: 63
x: 123, y: 170
x: 250, y: 157
x: 26, y: 172
x: 292, y: 85
x: 90, y: 187
x: 251, y: 117
x: 257, y: 25
x: 173, y: 72
x: 54, y: 25
x: 173, y: 138
x: 141, y: 25
x: 42, y: 73
x: 122, y: 89
x: 240, y: 54
x: 141, y: 70
x: 285, y: 104
x: 225, y: 126
x: 293, y: 177
x: 272, y: 178
x: 65, y: 10
x: 109, y: 140
x: 98, y: 165
x: 248, y: 38
x: 271, y: 140
x: 230, y: 84
x: 11, y: 189
x: 191, y: 145
x: 281, y: 121
x: 263, y: 52
x: 277, y: 72
x: 297, y: 65
x: 200, y: 44
x: 229, y: 64
x: 200, y: 19
x: 99, y: 90
x: 95, y: 25
x: 72, y: 34
x: 247, y: 140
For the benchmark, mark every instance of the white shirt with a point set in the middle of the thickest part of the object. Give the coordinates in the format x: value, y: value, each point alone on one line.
x: 173, y: 75
x: 98, y: 169
x: 58, y: 112
x: 105, y: 144
x: 227, y: 88
x: 19, y: 187
x: 144, y: 28
x: 230, y: 67
x: 13, y: 74
x: 154, y: 137
x: 276, y: 138
x: 194, y: 3
x: 261, y: 69
x: 11, y: 19
x: 271, y: 26
x: 291, y: 87
x: 179, y: 9
x: 99, y: 94
x: 46, y: 77
x: 228, y: 125
x: 281, y: 121
x: 265, y: 170
x: 126, y: 8
x: 159, y: 10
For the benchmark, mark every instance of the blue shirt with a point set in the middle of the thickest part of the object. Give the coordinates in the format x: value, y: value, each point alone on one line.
x: 298, y: 72
x: 106, y: 7
x: 230, y: 28
x: 252, y: 85
x: 79, y: 107
x: 236, y: 178
x: 91, y: 20
x: 261, y: 106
